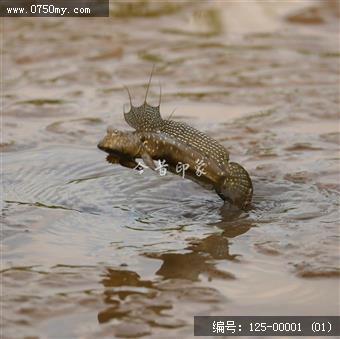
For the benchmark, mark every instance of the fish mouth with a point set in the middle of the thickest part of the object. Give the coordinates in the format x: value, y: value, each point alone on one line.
x: 105, y: 144
x: 111, y: 153
x: 102, y: 147
x: 107, y: 150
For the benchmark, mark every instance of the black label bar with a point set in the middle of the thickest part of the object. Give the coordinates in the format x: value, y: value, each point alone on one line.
x: 267, y: 326
x: 54, y: 8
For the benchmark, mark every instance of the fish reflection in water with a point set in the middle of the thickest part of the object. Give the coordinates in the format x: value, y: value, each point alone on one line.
x: 125, y: 289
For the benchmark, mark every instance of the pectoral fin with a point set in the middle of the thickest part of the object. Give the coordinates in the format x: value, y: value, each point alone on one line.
x: 148, y: 160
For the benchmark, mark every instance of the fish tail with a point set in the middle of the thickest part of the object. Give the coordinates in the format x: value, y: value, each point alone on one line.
x: 236, y: 186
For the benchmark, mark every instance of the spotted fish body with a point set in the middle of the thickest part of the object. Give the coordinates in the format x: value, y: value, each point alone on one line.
x: 231, y: 183
x: 147, y: 118
x: 156, y: 146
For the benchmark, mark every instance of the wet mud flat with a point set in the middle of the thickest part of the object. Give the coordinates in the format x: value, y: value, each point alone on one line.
x: 91, y: 249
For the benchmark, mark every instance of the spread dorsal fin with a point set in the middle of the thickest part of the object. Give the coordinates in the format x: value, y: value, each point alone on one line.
x: 145, y: 117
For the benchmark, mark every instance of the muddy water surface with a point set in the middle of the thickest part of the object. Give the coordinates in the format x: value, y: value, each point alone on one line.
x: 91, y: 249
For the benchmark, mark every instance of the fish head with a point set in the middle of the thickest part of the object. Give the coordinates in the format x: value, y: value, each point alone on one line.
x: 120, y: 142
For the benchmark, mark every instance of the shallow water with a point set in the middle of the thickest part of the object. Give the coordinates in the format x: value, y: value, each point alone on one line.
x: 91, y: 249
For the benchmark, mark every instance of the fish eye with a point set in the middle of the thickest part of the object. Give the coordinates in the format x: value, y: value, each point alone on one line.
x: 111, y: 130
